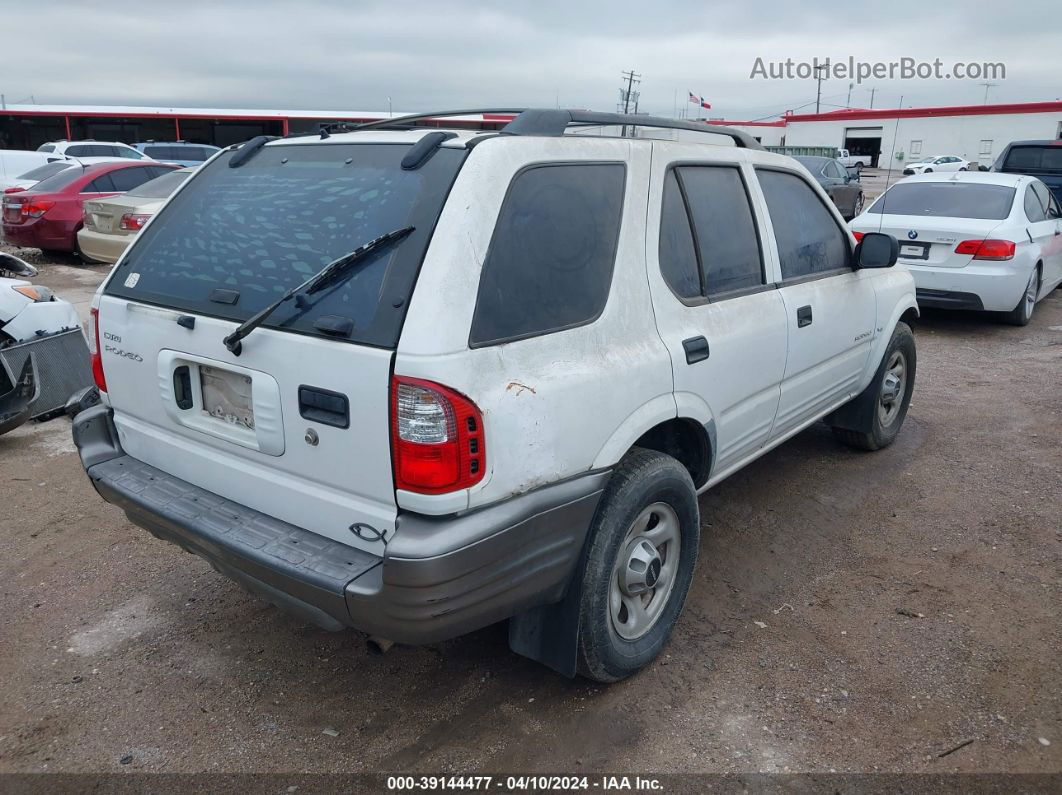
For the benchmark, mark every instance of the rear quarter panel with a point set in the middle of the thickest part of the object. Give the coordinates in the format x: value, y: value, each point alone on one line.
x: 550, y: 403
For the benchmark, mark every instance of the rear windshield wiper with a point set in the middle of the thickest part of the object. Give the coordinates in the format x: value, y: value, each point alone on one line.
x: 323, y: 278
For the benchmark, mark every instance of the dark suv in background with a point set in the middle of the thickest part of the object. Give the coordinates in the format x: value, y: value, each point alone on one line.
x: 1040, y: 159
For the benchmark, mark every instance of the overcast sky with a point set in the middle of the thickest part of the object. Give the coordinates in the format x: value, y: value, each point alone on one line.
x: 458, y: 53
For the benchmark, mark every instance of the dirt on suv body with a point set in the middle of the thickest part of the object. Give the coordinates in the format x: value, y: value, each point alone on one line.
x: 530, y: 353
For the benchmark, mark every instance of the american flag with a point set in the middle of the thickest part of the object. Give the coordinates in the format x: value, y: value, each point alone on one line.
x: 698, y: 100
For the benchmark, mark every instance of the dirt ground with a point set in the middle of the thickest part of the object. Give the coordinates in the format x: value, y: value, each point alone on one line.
x: 850, y: 612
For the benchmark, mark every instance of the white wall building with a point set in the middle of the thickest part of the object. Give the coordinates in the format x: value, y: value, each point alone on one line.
x: 973, y: 132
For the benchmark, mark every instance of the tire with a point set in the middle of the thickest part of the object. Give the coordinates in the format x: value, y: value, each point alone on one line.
x: 1023, y: 312
x: 928, y: 171
x: 857, y: 207
x: 614, y: 641
x: 964, y: 168
x: 881, y: 419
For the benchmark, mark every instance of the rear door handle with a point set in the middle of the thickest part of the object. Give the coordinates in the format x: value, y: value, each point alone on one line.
x: 324, y: 406
x: 697, y: 349
x: 804, y: 316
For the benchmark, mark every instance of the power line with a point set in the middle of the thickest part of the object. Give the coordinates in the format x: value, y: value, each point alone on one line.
x: 628, y: 95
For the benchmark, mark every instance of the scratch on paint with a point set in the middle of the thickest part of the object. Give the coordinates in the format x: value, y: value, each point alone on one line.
x: 520, y: 388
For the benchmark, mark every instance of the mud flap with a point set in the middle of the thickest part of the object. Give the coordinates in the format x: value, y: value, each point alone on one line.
x: 858, y: 413
x: 549, y: 634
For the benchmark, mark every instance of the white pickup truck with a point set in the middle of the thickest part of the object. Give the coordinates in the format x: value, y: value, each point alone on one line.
x: 848, y: 160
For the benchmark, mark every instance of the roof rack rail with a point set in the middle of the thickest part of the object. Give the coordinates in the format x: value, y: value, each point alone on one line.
x: 554, y: 122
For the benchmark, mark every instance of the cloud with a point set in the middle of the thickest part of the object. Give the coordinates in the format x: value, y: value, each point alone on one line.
x: 353, y: 56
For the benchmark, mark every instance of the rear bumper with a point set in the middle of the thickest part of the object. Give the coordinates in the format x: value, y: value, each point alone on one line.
x: 947, y: 299
x: 41, y: 233
x: 102, y: 247
x: 996, y: 287
x: 439, y: 577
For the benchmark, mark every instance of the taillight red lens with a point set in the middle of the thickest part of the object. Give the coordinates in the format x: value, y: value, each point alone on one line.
x: 996, y: 250
x: 15, y: 189
x: 35, y: 208
x: 96, y: 351
x: 437, y: 436
x: 133, y: 221
x: 858, y: 236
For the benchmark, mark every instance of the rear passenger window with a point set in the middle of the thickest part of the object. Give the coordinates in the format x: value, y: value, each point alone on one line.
x: 102, y: 184
x: 129, y: 178
x: 809, y: 239
x: 678, y: 257
x: 549, y: 265
x: 727, y: 243
x: 1034, y: 210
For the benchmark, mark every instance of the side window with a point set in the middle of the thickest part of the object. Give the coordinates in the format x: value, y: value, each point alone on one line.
x: 1034, y: 209
x: 128, y: 178
x: 809, y: 238
x: 549, y: 264
x: 678, y: 257
x: 1043, y: 193
x: 78, y: 150
x: 46, y: 148
x: 102, y: 184
x: 728, y: 246
x: 833, y: 170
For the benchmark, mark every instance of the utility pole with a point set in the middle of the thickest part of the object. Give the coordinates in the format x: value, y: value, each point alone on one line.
x: 818, y: 79
x: 848, y: 103
x: 987, y: 86
x: 872, y: 96
x: 629, y: 95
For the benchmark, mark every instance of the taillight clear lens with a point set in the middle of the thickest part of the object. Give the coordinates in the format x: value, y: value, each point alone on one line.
x: 423, y: 415
x: 93, y: 337
x: 438, y: 443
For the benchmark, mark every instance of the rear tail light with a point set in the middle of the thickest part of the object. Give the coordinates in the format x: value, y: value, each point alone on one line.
x: 437, y: 434
x: 858, y: 236
x: 133, y: 221
x: 93, y: 336
x: 996, y: 250
x: 35, y: 208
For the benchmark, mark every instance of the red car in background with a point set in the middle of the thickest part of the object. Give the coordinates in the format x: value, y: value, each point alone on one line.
x: 48, y: 215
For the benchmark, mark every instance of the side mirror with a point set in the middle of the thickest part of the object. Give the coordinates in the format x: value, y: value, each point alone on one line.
x: 876, y: 250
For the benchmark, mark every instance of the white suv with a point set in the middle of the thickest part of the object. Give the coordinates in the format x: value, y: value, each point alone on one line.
x: 505, y: 404
x: 90, y: 151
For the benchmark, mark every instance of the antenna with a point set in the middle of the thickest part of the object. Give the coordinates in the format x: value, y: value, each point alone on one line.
x: 987, y: 86
x: 892, y: 157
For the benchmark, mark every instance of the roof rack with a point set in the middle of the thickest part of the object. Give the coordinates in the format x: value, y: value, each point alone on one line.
x: 554, y: 122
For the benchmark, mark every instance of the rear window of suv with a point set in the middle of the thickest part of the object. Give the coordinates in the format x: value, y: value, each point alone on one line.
x: 946, y: 200
x: 1034, y: 159
x: 268, y: 225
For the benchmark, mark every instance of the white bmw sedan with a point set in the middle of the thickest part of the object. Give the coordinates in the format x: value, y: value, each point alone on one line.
x: 973, y: 240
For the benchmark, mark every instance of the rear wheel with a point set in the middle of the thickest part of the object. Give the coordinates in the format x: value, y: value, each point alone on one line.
x: 1023, y: 312
x: 886, y: 399
x: 928, y: 171
x: 857, y: 208
x: 639, y: 566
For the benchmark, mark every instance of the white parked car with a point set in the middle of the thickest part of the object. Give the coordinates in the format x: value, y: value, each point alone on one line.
x: 419, y: 381
x: 937, y: 163
x: 28, y: 179
x: 93, y: 151
x: 974, y: 241
x: 15, y: 162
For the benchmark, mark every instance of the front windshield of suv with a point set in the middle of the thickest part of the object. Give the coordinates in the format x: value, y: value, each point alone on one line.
x: 269, y: 224
x: 946, y: 200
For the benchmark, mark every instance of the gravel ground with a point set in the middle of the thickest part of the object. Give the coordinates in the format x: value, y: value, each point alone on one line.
x: 850, y: 612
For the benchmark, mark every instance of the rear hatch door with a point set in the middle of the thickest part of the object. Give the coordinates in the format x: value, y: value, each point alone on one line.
x: 297, y: 426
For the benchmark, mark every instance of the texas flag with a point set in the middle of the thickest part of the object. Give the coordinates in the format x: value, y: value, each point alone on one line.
x: 698, y: 100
